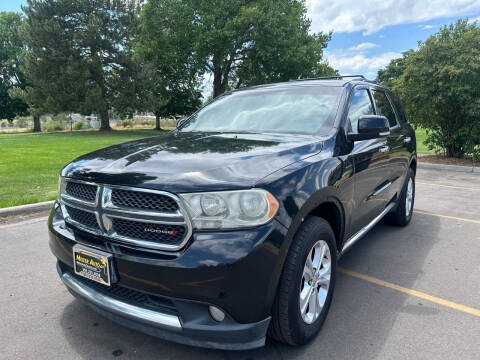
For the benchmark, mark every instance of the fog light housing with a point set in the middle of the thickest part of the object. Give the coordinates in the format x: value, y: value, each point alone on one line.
x: 216, y: 313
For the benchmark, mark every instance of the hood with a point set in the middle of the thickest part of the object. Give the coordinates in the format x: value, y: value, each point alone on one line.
x: 191, y: 161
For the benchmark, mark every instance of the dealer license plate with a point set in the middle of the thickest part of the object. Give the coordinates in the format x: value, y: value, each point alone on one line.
x: 92, y: 264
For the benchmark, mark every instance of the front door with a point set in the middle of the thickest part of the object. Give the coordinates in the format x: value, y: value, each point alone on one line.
x: 371, y: 159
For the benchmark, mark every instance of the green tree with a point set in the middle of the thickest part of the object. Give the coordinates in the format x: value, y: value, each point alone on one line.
x: 11, y: 50
x: 394, y: 69
x: 79, y: 52
x: 246, y: 42
x: 170, y: 71
x: 440, y: 87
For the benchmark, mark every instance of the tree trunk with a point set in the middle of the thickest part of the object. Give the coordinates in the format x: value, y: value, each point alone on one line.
x: 217, y: 83
x: 455, y: 151
x: 157, y: 122
x: 36, y: 123
x: 104, y: 121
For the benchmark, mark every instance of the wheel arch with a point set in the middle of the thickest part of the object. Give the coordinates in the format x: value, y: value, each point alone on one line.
x: 413, y: 164
x: 328, y: 207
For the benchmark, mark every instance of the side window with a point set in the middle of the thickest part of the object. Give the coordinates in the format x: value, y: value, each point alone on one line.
x: 361, y: 104
x: 400, y: 110
x: 384, y: 108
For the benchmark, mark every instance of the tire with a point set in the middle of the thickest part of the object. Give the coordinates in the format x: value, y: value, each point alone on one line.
x: 288, y: 325
x: 402, y: 217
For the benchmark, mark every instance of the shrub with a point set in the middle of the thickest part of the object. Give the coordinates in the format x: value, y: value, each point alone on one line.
x: 61, y: 118
x: 54, y: 126
x: 22, y: 122
x: 79, y: 125
x: 127, y: 123
x: 3, y: 123
x: 148, y: 123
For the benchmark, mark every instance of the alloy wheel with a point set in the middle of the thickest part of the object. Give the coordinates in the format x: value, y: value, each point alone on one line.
x: 315, y: 281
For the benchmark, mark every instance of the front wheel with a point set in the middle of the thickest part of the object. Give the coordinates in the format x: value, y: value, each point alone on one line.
x: 306, y: 286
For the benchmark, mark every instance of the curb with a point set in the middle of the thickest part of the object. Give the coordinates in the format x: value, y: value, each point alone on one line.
x: 26, y: 209
x: 458, y: 168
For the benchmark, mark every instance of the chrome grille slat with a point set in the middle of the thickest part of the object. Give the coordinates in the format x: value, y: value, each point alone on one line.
x: 161, y: 225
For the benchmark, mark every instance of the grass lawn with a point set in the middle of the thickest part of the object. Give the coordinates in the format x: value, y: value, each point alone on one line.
x: 30, y: 163
x: 422, y: 149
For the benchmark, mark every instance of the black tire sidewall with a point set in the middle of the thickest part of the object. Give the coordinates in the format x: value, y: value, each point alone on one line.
x: 401, y: 217
x: 300, y: 331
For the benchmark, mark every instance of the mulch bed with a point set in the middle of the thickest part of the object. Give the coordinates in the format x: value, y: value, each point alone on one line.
x: 439, y: 159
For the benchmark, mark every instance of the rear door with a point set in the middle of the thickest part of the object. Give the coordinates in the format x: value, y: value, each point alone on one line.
x: 371, y: 164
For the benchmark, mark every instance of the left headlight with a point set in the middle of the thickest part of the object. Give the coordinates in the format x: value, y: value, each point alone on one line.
x: 231, y: 209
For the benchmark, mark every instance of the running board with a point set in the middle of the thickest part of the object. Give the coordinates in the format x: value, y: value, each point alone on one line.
x: 363, y: 231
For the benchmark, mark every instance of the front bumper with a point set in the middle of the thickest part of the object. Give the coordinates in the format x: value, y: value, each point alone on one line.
x: 166, y: 325
x: 236, y: 271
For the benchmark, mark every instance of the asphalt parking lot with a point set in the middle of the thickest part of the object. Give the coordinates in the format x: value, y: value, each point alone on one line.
x: 403, y: 293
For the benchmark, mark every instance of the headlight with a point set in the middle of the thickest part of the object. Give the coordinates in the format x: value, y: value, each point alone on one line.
x: 231, y: 209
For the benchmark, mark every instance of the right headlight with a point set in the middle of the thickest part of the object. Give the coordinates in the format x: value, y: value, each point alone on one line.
x: 231, y: 209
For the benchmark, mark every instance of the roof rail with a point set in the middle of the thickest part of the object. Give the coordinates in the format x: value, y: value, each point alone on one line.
x: 339, y: 77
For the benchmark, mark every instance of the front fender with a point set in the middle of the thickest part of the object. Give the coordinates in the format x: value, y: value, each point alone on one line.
x: 302, y: 187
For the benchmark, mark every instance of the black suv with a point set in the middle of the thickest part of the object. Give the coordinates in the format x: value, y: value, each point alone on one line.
x: 230, y: 227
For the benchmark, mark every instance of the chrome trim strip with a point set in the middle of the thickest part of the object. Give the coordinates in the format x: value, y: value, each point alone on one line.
x: 67, y: 197
x: 348, y: 244
x: 81, y: 181
x: 145, y: 243
x: 123, y: 210
x: 121, y: 308
x: 146, y: 220
x: 382, y: 189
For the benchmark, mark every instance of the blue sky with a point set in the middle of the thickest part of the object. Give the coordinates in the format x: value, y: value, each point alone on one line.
x: 368, y: 34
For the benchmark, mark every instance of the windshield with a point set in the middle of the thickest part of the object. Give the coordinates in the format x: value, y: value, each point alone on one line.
x: 301, y: 110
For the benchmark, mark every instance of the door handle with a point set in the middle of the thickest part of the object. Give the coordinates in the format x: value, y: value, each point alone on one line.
x: 407, y: 139
x: 384, y: 149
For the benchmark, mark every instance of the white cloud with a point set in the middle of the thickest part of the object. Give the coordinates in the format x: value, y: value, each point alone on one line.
x: 363, y: 46
x: 355, y: 15
x: 427, y: 27
x: 349, y: 64
x: 477, y: 19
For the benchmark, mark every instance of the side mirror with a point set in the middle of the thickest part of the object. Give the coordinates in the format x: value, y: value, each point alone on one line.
x: 180, y: 122
x: 371, y: 127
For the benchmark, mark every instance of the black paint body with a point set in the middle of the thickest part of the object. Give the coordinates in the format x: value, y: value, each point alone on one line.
x: 239, y: 270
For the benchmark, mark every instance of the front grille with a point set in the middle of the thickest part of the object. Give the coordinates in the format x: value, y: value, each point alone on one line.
x: 144, y: 200
x: 82, y: 217
x: 148, y: 219
x: 159, y: 233
x: 81, y: 191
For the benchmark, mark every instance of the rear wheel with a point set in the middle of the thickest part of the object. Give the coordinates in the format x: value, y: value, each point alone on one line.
x: 306, y: 286
x: 404, y: 211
